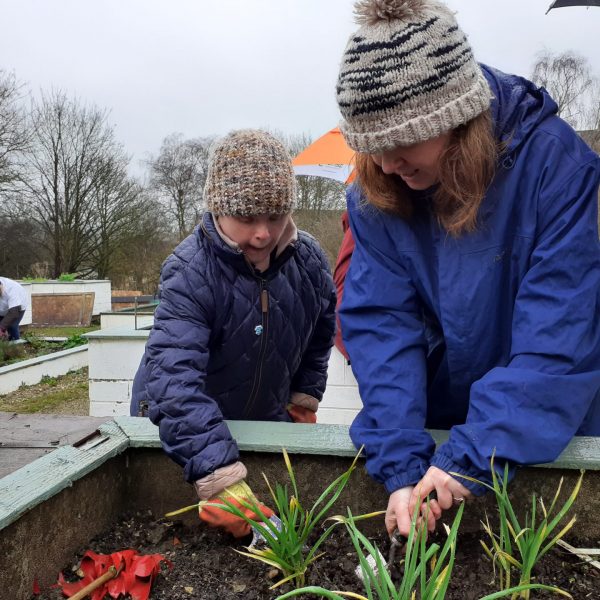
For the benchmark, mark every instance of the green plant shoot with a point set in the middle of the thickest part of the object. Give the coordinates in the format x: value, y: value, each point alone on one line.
x: 427, y: 569
x: 289, y: 550
x: 517, y: 548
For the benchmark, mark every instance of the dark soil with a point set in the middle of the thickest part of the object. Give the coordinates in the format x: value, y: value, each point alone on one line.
x: 206, y: 566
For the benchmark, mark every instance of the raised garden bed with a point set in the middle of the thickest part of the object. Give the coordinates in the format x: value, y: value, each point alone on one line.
x: 29, y: 363
x: 73, y: 499
x: 205, y: 564
x: 100, y: 288
x: 34, y: 347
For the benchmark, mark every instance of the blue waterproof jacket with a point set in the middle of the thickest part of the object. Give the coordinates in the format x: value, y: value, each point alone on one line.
x: 229, y: 342
x: 495, y: 334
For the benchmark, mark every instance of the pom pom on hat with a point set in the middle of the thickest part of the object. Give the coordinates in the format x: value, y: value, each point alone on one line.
x: 369, y: 12
x: 407, y: 75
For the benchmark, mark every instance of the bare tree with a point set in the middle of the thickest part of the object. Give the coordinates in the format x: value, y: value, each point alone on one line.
x: 19, y: 250
x: 569, y: 80
x: 138, y: 258
x: 178, y: 175
x: 74, y: 159
x: 118, y: 207
x: 13, y: 129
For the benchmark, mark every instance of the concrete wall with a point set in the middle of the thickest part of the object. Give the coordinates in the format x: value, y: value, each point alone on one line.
x: 115, y: 354
x: 30, y: 372
x: 110, y: 320
x: 100, y: 287
x: 26, y: 320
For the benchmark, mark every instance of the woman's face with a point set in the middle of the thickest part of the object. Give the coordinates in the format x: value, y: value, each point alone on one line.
x: 417, y: 165
x: 256, y: 235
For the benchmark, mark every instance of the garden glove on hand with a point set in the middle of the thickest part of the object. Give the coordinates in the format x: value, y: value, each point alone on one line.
x: 302, y: 408
x: 236, y: 526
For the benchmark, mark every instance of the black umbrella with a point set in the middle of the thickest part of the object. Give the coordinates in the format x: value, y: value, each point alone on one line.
x: 564, y: 3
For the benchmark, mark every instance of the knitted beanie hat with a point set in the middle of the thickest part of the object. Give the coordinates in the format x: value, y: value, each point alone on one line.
x: 407, y: 75
x: 249, y: 173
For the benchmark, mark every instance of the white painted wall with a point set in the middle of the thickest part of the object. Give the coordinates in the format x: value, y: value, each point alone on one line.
x: 115, y: 354
x: 109, y: 320
x: 30, y: 372
x: 100, y: 287
x: 26, y: 320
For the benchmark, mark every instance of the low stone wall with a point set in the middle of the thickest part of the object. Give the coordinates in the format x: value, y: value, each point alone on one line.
x: 31, y: 371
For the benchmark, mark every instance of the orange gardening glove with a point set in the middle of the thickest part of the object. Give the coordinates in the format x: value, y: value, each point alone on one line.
x: 301, y: 414
x: 236, y: 526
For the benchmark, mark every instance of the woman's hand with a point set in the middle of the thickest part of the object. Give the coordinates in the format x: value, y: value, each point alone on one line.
x: 449, y: 490
x: 399, y: 512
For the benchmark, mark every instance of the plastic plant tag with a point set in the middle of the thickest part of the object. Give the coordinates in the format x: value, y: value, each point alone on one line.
x: 372, y: 562
x: 258, y: 538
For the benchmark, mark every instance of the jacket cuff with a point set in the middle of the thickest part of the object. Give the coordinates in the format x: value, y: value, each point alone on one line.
x: 213, y: 484
x: 445, y: 463
x: 304, y: 400
x: 410, y: 477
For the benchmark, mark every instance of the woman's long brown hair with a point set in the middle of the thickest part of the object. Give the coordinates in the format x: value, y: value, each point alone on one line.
x: 467, y: 167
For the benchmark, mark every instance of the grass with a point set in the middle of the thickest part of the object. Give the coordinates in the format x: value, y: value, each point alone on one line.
x: 60, y: 331
x: 67, y: 395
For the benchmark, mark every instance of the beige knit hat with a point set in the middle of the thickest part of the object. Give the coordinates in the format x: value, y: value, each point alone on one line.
x: 249, y: 173
x: 407, y: 75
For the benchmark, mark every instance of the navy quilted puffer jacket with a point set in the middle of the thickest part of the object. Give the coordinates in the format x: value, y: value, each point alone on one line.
x: 229, y: 342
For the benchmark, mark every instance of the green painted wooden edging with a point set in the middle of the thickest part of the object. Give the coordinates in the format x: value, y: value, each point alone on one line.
x: 263, y: 436
x: 48, y: 475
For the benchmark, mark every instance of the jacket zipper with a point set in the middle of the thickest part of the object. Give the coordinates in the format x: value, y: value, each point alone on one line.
x: 264, y: 332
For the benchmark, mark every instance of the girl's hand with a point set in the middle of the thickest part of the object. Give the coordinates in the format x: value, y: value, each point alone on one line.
x: 448, y: 489
x: 399, y: 513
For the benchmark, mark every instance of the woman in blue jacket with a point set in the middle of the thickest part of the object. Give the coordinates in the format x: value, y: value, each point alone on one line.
x: 472, y: 298
x: 245, y: 323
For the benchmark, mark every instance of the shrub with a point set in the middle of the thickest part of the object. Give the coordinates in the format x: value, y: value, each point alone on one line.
x: 67, y: 277
x: 9, y: 351
x: 74, y: 340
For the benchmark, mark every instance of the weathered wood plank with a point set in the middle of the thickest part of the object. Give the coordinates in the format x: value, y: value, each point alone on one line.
x: 22, y: 434
x: 334, y: 440
x: 48, y: 475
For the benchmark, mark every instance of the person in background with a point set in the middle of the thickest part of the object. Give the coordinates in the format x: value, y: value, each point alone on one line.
x: 471, y: 301
x: 14, y: 301
x: 245, y: 323
x: 340, y: 269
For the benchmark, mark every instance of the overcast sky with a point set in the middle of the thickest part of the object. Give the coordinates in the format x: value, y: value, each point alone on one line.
x: 203, y: 68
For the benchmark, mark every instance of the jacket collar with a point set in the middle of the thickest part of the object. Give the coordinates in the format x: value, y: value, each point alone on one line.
x: 230, y: 250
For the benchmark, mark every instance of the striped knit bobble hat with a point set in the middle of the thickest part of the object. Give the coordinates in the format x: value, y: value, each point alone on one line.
x: 249, y: 173
x: 407, y: 75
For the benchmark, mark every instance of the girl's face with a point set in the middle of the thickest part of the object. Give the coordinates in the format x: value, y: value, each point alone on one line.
x: 417, y: 165
x: 256, y: 235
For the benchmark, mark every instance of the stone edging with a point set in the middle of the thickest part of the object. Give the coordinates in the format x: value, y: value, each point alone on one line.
x: 31, y: 371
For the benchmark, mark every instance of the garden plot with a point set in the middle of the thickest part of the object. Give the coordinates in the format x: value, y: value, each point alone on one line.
x: 73, y: 500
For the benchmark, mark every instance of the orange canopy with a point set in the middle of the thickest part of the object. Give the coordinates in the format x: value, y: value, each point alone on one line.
x: 328, y: 156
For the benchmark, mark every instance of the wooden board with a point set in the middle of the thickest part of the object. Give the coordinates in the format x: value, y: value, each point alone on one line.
x: 52, y: 310
x: 23, y: 438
